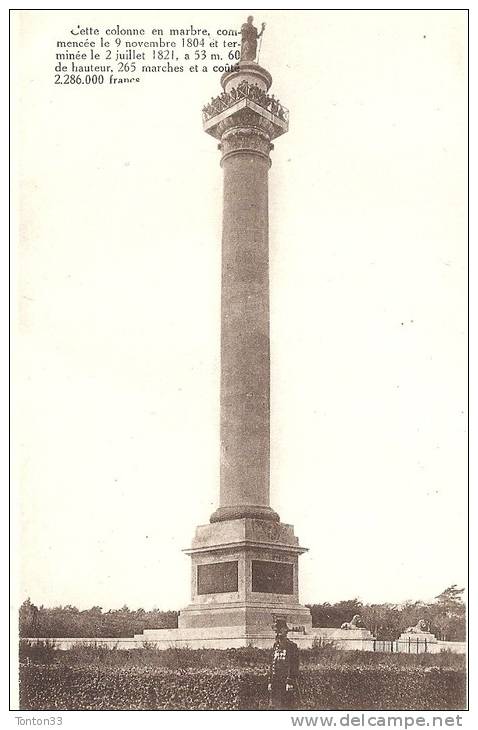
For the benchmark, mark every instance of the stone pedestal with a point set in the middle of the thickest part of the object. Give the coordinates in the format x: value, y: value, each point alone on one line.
x: 244, y: 573
x: 353, y: 639
x: 417, y: 642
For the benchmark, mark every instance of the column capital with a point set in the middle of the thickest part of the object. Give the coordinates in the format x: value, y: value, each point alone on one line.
x: 245, y: 140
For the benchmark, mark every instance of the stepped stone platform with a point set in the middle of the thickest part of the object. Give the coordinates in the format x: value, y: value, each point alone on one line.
x: 218, y: 638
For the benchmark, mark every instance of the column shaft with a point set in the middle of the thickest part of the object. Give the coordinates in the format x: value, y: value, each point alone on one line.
x: 245, y: 349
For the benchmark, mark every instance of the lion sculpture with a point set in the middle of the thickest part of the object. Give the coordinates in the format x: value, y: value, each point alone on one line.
x: 356, y: 623
x: 420, y: 627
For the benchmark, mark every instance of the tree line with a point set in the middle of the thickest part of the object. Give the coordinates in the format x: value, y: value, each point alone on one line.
x: 69, y: 621
x: 446, y: 617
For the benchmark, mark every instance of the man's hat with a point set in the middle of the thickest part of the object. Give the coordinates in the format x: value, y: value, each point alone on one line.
x: 280, y: 623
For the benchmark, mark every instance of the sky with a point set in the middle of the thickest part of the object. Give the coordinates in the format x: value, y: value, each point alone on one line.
x: 117, y: 281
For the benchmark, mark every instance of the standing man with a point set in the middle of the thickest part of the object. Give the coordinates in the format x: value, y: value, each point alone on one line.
x: 284, y: 669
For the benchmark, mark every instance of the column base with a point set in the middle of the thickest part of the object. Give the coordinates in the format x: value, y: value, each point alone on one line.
x: 237, y: 512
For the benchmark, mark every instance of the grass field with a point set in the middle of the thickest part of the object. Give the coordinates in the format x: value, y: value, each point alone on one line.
x: 86, y: 678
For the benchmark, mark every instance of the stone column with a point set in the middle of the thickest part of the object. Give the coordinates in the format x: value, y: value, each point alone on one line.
x: 245, y: 351
x: 244, y: 566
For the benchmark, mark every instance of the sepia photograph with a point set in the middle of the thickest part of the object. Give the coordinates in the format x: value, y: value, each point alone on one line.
x: 239, y: 273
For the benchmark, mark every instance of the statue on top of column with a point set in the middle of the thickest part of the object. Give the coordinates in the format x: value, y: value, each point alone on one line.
x: 249, y: 39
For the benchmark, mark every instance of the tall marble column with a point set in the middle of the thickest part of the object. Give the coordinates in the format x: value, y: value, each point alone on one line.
x: 244, y: 563
x: 245, y: 354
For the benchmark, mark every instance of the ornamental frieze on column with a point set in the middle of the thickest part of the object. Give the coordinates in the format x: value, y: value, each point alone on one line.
x: 246, y: 139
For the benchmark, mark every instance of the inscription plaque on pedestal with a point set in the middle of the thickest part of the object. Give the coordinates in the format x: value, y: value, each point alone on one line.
x: 217, y: 578
x: 272, y: 577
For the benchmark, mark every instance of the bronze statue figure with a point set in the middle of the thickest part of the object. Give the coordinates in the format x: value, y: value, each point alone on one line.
x: 249, y: 39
